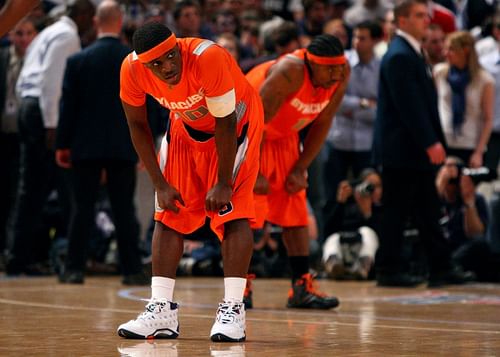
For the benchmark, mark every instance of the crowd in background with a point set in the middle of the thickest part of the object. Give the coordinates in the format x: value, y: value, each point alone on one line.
x: 41, y: 201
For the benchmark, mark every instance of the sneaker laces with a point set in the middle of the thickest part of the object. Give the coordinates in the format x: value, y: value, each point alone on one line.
x: 228, y: 311
x: 309, y: 284
x: 152, y: 307
x: 248, y: 287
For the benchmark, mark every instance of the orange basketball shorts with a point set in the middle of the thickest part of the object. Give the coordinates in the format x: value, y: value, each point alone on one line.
x: 191, y: 167
x: 278, y: 206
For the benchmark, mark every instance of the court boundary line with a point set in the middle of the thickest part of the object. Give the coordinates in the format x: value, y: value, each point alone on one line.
x: 286, y: 321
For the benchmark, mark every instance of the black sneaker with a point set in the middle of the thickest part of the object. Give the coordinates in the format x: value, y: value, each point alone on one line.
x: 303, y: 295
x: 452, y: 276
x: 247, y: 295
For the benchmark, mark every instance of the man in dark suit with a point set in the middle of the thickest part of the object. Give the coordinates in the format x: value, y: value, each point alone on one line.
x: 408, y: 144
x: 93, y: 137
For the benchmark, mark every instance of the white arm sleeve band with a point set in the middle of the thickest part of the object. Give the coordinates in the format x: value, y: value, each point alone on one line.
x: 223, y: 105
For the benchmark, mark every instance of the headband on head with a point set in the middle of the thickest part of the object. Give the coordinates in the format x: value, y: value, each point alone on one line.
x: 158, y: 50
x: 328, y: 60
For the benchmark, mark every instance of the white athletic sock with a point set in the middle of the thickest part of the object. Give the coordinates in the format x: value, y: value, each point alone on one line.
x: 162, y: 288
x: 234, y: 288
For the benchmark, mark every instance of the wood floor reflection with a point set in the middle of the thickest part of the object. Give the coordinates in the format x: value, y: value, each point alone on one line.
x: 40, y: 317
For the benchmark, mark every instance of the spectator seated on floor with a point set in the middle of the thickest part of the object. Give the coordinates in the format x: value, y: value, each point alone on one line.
x: 465, y: 220
x: 351, y: 226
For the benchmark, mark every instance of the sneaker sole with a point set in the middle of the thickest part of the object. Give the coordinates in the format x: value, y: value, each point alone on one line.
x: 219, y: 337
x: 156, y: 334
x: 313, y: 306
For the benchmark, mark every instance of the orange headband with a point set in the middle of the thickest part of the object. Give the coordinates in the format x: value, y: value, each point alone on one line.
x: 158, y: 50
x: 326, y: 60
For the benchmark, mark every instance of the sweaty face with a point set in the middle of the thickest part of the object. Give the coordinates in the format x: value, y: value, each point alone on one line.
x: 167, y: 67
x: 326, y: 75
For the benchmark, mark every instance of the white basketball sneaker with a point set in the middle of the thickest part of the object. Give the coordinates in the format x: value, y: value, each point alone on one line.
x: 229, y: 323
x: 159, y: 320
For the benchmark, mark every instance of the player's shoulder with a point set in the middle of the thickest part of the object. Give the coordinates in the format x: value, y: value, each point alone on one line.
x: 194, y: 46
x: 291, y: 66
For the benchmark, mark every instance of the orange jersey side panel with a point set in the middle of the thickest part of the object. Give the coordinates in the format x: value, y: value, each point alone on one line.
x: 207, y: 72
x: 300, y: 108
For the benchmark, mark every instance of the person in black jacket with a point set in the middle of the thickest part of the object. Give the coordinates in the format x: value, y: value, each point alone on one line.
x: 92, y: 139
x: 408, y: 144
x: 352, y: 226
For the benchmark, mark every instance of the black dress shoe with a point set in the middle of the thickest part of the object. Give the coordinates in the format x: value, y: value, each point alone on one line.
x: 72, y: 277
x: 136, y: 279
x: 452, y: 276
x: 398, y: 279
x: 37, y: 269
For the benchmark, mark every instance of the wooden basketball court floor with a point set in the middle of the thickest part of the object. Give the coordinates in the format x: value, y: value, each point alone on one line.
x: 40, y: 317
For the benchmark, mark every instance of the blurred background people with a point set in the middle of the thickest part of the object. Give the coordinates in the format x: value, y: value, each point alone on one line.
x: 350, y: 137
x: 433, y: 44
x: 11, y: 61
x: 465, y: 219
x: 491, y: 63
x: 92, y: 140
x: 39, y: 86
x: 465, y: 100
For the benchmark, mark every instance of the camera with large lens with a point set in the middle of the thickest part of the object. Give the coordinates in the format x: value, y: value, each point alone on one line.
x: 479, y: 174
x: 364, y: 188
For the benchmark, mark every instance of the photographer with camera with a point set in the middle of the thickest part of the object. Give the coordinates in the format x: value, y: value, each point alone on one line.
x: 465, y: 220
x: 351, y: 226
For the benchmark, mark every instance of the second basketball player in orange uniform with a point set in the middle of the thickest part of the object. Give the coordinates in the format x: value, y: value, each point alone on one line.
x: 208, y: 165
x: 300, y: 89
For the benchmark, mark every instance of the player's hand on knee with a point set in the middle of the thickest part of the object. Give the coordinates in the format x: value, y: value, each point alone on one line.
x: 261, y: 185
x: 296, y: 180
x: 168, y: 198
x: 218, y: 197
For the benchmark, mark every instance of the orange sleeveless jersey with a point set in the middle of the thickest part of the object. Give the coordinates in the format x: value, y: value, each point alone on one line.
x: 200, y: 78
x: 300, y: 108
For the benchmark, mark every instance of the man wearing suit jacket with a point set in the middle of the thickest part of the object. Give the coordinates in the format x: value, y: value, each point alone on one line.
x: 93, y: 137
x: 408, y: 144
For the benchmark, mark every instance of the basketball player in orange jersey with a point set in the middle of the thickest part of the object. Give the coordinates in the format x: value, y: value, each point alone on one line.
x: 300, y: 89
x: 207, y: 166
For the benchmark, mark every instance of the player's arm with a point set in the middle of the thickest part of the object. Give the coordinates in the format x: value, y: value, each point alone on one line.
x: 142, y: 139
x: 284, y: 79
x: 223, y: 110
x: 13, y: 11
x: 321, y: 125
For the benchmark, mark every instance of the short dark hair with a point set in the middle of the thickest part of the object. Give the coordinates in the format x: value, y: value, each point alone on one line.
x: 285, y: 33
x: 308, y: 4
x: 374, y: 28
x: 149, y: 35
x: 402, y: 7
x: 325, y: 45
x: 181, y: 5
